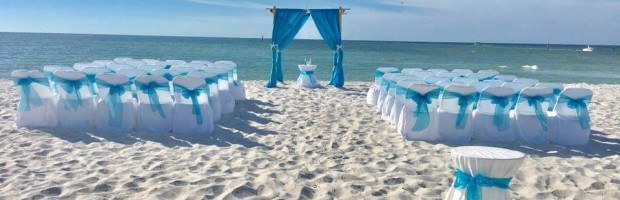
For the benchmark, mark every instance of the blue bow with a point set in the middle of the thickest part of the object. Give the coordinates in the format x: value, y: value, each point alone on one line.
x: 463, y: 102
x: 168, y: 76
x: 581, y: 107
x: 378, y: 73
x: 421, y: 112
x: 114, y: 101
x: 500, y: 105
x: 309, y: 74
x: 193, y: 95
x: 535, y: 101
x: 91, y: 82
x: 72, y: 87
x: 473, y: 184
x: 554, y: 99
x: 50, y: 78
x: 29, y: 97
x: 151, y: 90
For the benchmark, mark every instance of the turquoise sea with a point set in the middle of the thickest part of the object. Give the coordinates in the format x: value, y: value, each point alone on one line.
x: 558, y: 63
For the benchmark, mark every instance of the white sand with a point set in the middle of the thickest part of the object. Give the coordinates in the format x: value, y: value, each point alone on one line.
x: 288, y: 143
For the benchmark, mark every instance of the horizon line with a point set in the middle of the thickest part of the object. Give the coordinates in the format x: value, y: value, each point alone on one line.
x: 360, y: 40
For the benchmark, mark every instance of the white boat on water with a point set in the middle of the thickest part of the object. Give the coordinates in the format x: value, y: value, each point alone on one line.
x: 589, y: 48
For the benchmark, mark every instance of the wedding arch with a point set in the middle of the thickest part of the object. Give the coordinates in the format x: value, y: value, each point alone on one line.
x: 287, y: 23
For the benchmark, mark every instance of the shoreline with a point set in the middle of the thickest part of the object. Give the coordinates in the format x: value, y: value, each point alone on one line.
x: 290, y: 143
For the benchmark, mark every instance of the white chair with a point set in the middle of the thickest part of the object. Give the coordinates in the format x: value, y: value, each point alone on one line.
x: 175, y: 62
x: 183, y: 69
x: 489, y: 71
x: 411, y: 70
x: 238, y: 89
x: 231, y: 68
x: 131, y: 74
x: 399, y: 100
x: 375, y: 88
x: 436, y: 70
x: 194, y: 66
x: 483, y: 172
x: 557, y: 89
x: 168, y: 74
x: 531, y: 81
x: 36, y: 101
x: 75, y: 106
x: 135, y: 63
x: 204, y: 62
x: 449, y: 75
x: 121, y: 59
x: 507, y: 78
x: 454, y: 113
x: 154, y: 113
x: 462, y: 72
x: 116, y: 111
x: 480, y: 76
x: 91, y: 72
x: 435, y: 80
x: 492, y: 117
x: 150, y: 67
x: 49, y: 70
x: 214, y: 98
x: 570, y: 123
x: 191, y: 113
x: 418, y: 118
x: 388, y: 103
x: 103, y: 62
x: 80, y: 66
x: 227, y: 100
x: 517, y: 87
x: 385, y: 87
x: 465, y: 80
x: 530, y: 115
x: 423, y: 74
x: 117, y: 66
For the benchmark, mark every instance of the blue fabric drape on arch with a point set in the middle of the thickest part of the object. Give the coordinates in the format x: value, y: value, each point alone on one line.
x: 328, y: 23
x: 286, y: 24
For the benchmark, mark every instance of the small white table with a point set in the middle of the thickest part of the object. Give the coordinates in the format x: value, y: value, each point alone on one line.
x: 486, y: 171
x: 307, y: 78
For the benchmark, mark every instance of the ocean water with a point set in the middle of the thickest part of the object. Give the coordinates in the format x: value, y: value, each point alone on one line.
x: 559, y: 63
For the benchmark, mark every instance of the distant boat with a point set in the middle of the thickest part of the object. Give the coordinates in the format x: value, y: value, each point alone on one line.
x: 589, y: 48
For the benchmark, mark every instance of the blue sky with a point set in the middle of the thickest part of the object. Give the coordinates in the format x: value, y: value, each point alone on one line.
x: 502, y: 21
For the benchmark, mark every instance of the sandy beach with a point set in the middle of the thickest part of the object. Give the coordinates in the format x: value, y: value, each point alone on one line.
x: 289, y: 143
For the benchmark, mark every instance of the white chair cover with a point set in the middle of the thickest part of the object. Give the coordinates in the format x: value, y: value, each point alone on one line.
x: 557, y: 89
x: 388, y: 103
x: 385, y: 87
x: 465, y: 80
x: 436, y: 71
x: 507, y: 78
x: 480, y: 76
x: 175, y: 62
x: 237, y: 89
x: 183, y: 69
x: 488, y: 71
x: 121, y: 59
x: 492, y: 121
x: 80, y: 66
x: 103, y: 63
x: 418, y: 118
x: 444, y: 84
x: 570, y: 123
x: 307, y: 78
x: 449, y: 75
x: 135, y: 63
x: 91, y: 72
x: 423, y: 74
x: 150, y: 67
x: 49, y: 70
x: 151, y: 61
x: 214, y: 97
x: 75, y: 106
x: 191, y: 113
x: 411, y: 70
x: 36, y: 106
x: 373, y: 92
x: 462, y: 72
x: 399, y: 100
x: 154, y: 104
x: 530, y: 115
x: 168, y: 74
x: 492, y: 166
x: 204, y: 62
x: 531, y: 81
x: 131, y: 74
x: 495, y: 83
x: 517, y: 87
x: 116, y: 110
x: 117, y: 66
x: 454, y: 113
x: 226, y: 98
x: 435, y: 80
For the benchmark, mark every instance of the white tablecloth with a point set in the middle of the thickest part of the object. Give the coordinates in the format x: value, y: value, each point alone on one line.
x: 307, y: 78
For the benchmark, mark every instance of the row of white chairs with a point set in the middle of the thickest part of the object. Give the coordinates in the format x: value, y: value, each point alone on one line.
x: 453, y: 111
x: 188, y: 104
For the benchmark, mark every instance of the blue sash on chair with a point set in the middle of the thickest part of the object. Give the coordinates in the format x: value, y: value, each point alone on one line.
x: 72, y: 87
x: 535, y: 101
x: 193, y: 95
x: 500, y: 103
x: 421, y: 112
x: 114, y: 101
x: 151, y: 90
x: 29, y: 95
x: 463, y: 102
x: 581, y: 107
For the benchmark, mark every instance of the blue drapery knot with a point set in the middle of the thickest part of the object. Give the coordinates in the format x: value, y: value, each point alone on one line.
x: 463, y: 102
x: 473, y: 184
x: 114, y: 101
x: 500, y: 103
x: 421, y: 112
x: 29, y: 96
x: 338, y: 49
x: 554, y: 99
x: 151, y: 90
x: 193, y: 94
x: 307, y: 11
x: 534, y: 102
x: 72, y: 87
x: 581, y: 107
